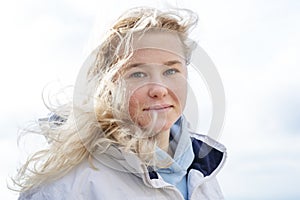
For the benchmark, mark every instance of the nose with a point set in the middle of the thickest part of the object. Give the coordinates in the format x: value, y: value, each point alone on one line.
x: 157, y: 91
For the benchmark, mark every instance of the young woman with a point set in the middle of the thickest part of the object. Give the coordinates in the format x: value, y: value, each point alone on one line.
x: 124, y: 135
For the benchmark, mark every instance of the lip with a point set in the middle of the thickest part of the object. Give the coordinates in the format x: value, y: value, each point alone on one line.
x: 160, y: 107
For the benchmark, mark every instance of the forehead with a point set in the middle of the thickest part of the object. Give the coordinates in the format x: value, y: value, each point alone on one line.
x: 155, y: 56
x: 159, y: 40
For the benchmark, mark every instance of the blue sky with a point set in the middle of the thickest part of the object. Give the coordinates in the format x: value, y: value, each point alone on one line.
x: 254, y: 44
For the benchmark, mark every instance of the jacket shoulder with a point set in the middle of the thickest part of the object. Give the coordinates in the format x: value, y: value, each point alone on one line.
x: 69, y: 186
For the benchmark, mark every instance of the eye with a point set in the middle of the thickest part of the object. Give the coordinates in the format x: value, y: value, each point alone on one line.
x: 170, y: 72
x: 138, y: 75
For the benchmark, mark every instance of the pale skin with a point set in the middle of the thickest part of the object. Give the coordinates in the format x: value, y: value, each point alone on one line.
x: 157, y: 88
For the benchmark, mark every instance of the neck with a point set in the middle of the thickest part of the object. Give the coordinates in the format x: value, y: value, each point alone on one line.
x: 163, y: 140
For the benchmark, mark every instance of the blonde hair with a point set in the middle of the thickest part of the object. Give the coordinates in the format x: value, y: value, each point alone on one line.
x: 83, y: 128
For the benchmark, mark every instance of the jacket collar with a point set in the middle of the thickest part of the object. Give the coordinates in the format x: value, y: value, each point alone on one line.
x: 209, y: 156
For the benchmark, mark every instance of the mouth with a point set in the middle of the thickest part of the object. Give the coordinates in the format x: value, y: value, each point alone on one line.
x: 162, y: 107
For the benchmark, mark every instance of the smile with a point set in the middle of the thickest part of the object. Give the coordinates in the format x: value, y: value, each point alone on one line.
x: 159, y: 108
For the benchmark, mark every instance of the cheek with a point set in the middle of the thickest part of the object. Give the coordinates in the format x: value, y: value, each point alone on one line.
x: 182, y: 95
x: 179, y: 92
x: 135, y: 103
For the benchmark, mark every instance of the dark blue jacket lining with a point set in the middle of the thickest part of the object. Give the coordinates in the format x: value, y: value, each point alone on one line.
x: 206, y: 160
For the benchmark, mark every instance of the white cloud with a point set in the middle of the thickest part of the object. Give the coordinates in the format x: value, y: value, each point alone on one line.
x: 262, y: 87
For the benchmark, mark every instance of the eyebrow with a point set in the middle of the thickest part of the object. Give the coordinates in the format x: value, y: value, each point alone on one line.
x: 172, y: 62
x: 168, y: 63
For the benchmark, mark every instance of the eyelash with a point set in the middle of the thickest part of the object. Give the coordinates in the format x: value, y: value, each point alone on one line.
x: 168, y: 72
x: 135, y: 75
x: 173, y: 70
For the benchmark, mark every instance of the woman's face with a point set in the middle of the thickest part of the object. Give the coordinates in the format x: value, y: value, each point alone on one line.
x: 156, y: 88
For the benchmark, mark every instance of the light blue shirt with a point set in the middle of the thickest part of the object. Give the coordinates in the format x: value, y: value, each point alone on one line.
x: 181, y: 145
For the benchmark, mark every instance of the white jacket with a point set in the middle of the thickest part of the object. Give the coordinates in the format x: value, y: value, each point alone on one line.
x: 122, y: 176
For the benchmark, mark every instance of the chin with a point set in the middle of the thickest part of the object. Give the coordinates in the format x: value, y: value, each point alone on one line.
x: 158, y: 127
